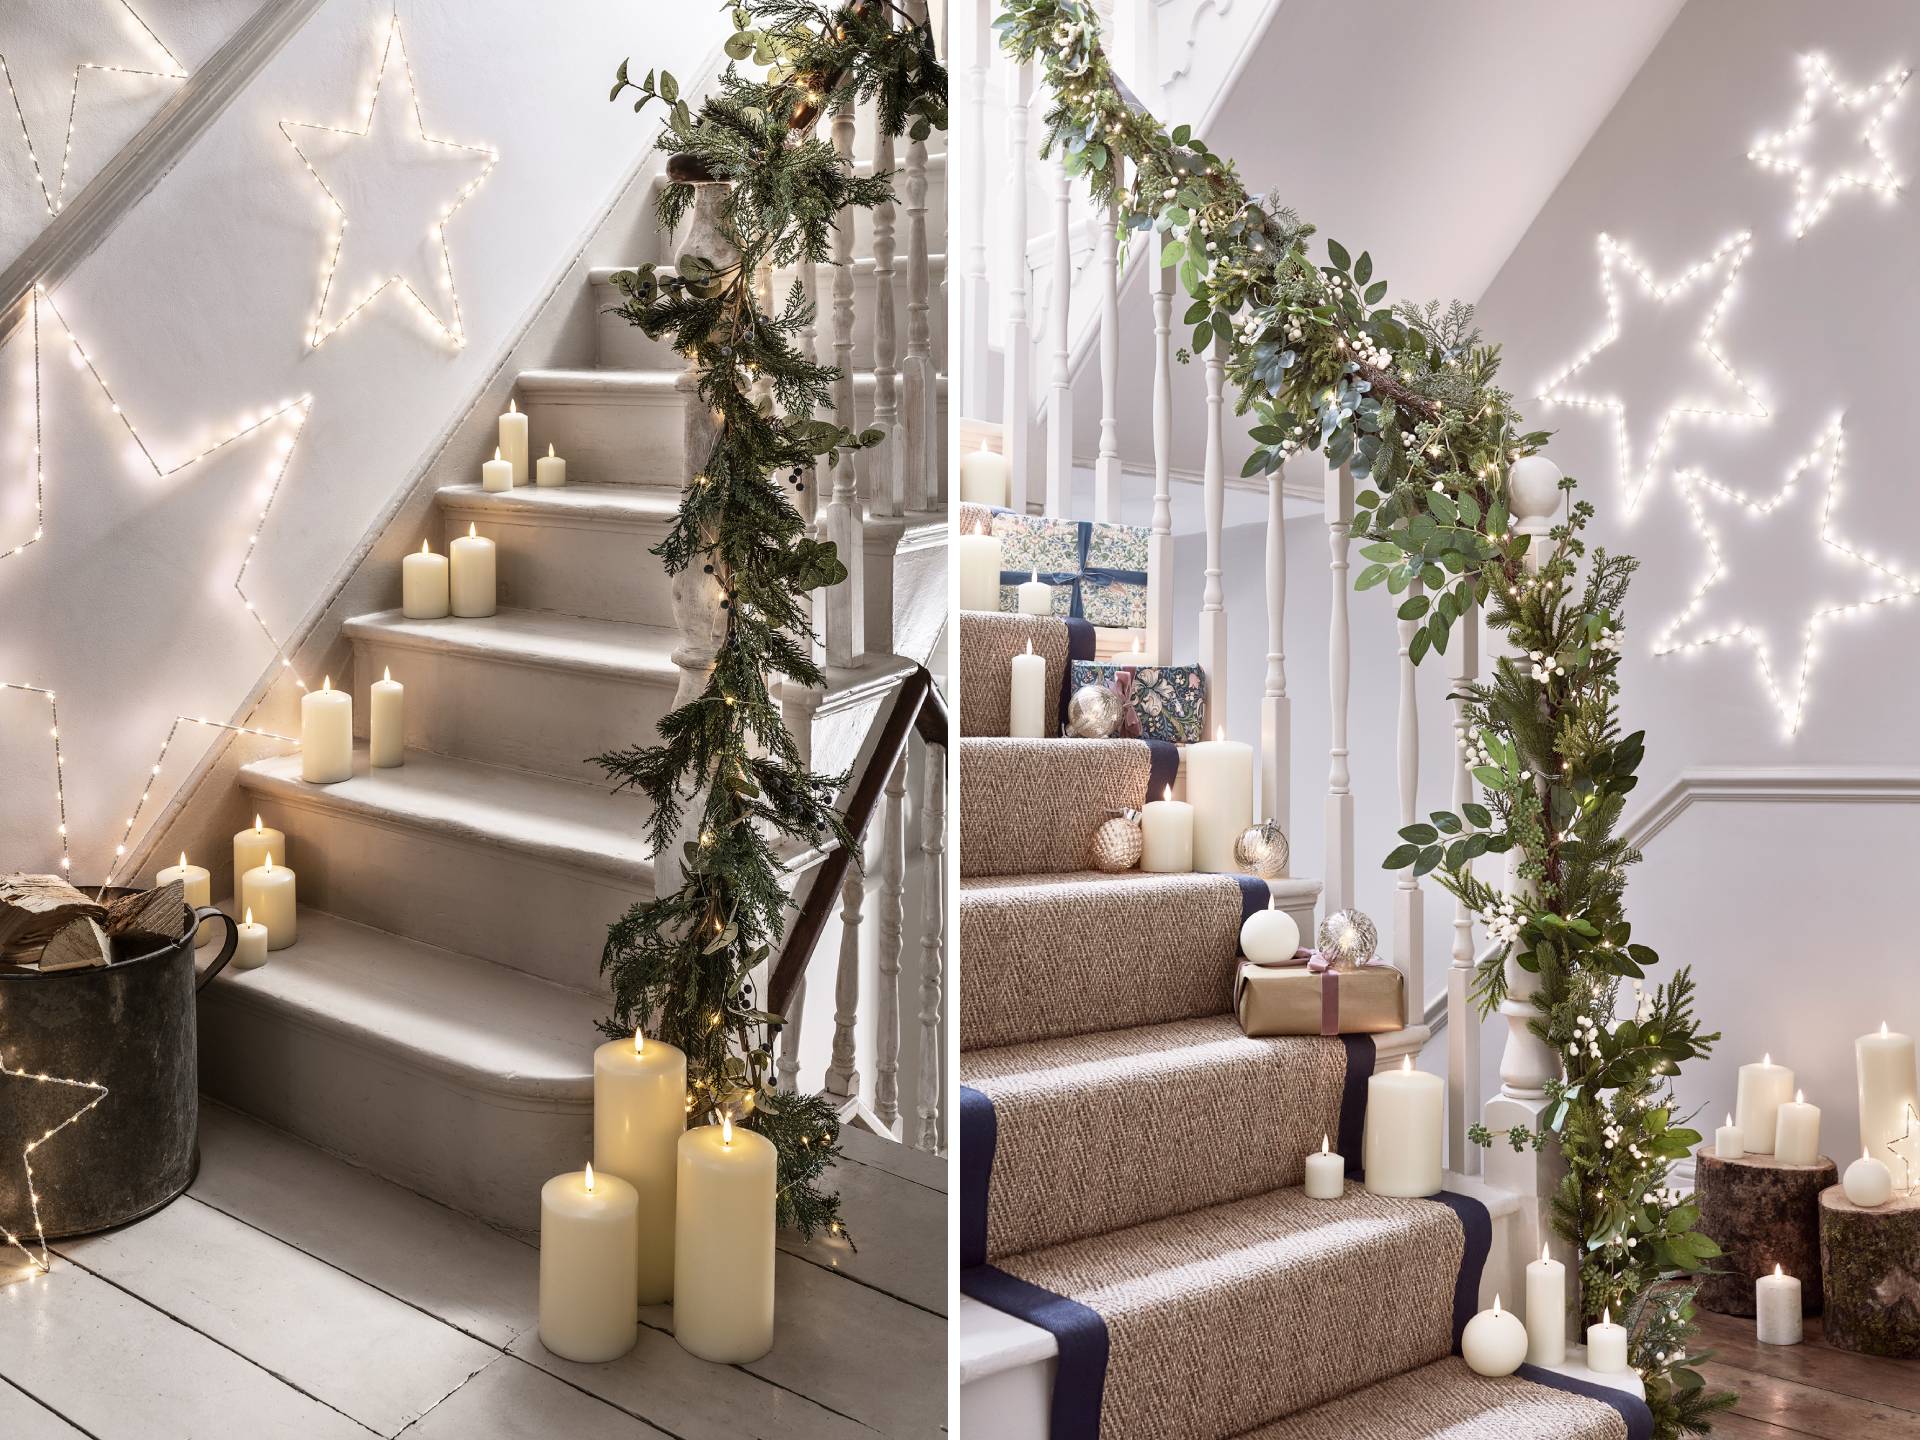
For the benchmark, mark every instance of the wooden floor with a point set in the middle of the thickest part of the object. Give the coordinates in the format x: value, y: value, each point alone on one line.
x: 1810, y: 1389
x: 292, y: 1296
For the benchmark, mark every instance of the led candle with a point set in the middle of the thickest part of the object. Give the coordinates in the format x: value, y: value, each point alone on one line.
x: 1406, y: 1118
x: 1776, y: 1309
x: 1606, y: 1346
x: 1796, y: 1134
x: 1027, y: 710
x: 1867, y: 1182
x: 639, y: 1114
x: 1166, y: 835
x: 1036, y: 596
x: 1269, y: 936
x: 423, y: 585
x: 267, y: 893
x: 1220, y: 789
x: 386, y: 723
x: 550, y: 470
x: 472, y: 587
x: 496, y: 474
x: 199, y: 891
x: 979, y: 571
x: 251, y: 951
x: 1546, y: 1310
x: 252, y: 846
x: 1727, y: 1143
x: 588, y: 1237
x: 513, y: 440
x: 1326, y: 1173
x: 1494, y: 1342
x: 723, y: 1244
x: 1764, y: 1088
x: 1136, y: 656
x: 1885, y: 1066
x: 983, y: 478
x: 326, y: 735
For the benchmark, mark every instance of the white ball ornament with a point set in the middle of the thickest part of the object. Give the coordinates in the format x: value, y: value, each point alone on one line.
x: 1270, y: 936
x: 1533, y: 487
x: 1494, y: 1342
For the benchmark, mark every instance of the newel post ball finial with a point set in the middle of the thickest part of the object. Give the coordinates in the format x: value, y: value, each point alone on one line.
x: 1533, y: 488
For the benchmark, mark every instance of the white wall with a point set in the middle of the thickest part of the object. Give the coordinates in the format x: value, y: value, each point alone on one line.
x: 196, y: 309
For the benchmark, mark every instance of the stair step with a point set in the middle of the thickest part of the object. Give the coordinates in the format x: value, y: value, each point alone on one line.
x: 616, y: 427
x: 988, y: 642
x: 1187, y: 1083
x: 465, y: 1080
x: 1028, y: 807
x: 599, y: 685
x: 514, y: 867
x: 1446, y: 1400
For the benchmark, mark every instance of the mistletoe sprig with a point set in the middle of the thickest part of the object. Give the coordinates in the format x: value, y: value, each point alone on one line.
x: 724, y: 768
x: 1407, y: 397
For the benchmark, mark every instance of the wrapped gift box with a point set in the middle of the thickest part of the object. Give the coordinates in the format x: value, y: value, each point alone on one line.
x: 1297, y: 999
x: 1158, y: 702
x: 1098, y: 571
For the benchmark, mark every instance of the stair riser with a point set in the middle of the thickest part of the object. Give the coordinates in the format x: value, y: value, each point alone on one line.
x: 533, y: 718
x: 628, y: 440
x: 600, y: 572
x: 466, y: 895
x: 624, y: 346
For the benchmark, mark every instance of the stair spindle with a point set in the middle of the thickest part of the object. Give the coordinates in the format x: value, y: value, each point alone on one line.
x: 1160, y: 535
x: 843, y: 1071
x: 933, y: 944
x: 919, y: 463
x: 1276, y: 710
x: 893, y: 880
x: 1106, y: 470
x: 885, y: 460
x: 788, y: 1065
x: 1213, y: 597
x: 807, y: 277
x: 845, y: 518
x: 1463, y: 1022
x: 1339, y: 817
x: 974, y: 294
x: 1060, y: 342
x: 1409, y: 901
x: 1016, y: 405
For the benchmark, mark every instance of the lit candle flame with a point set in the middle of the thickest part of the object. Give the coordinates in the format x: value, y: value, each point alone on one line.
x: 1729, y: 1118
x: 1326, y: 1146
x: 326, y: 685
x: 259, y: 826
x: 513, y: 406
x: 1544, y: 1257
x: 1863, y: 1153
x: 589, y: 1177
x: 183, y: 859
x: 726, y: 1130
x: 269, y: 865
x: 1496, y: 1304
x: 1606, y: 1316
x: 1167, y: 793
x: 1219, y: 733
x: 496, y: 453
x: 639, y: 1042
x: 1777, y: 1270
x: 1767, y: 1059
x: 1799, y: 1097
x: 1033, y: 578
x: 423, y: 548
x: 1883, y: 1027
x: 1029, y: 647
x: 249, y: 914
x: 388, y: 676
x: 550, y: 450
x: 1406, y: 1064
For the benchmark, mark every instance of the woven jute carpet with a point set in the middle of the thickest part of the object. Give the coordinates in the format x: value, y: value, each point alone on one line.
x: 1030, y: 807
x: 1447, y: 1401
x: 988, y: 643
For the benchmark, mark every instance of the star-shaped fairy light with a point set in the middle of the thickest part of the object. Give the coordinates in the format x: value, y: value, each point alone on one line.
x: 46, y: 51
x: 1762, y: 550
x: 1831, y: 115
x: 1906, y: 1148
x: 1651, y: 326
x: 374, y: 172
x: 16, y: 1085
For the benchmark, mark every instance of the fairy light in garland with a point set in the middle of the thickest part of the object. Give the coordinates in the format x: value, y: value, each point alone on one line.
x: 1636, y: 472
x: 1813, y: 193
x: 44, y: 1260
x: 453, y: 331
x: 59, y: 765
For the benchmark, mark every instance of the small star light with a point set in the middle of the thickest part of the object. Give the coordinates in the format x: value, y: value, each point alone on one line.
x: 44, y: 1260
x: 1639, y: 462
x: 1906, y: 1148
x: 1785, y: 150
x: 381, y: 142
x: 1757, y: 522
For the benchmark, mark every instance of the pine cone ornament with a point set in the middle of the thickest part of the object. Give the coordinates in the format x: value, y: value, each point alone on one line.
x: 1116, y: 844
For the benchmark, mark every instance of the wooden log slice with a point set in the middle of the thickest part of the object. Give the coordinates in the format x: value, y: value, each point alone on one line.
x: 1870, y: 1273
x: 158, y: 914
x: 1763, y: 1213
x: 80, y: 943
x: 35, y: 908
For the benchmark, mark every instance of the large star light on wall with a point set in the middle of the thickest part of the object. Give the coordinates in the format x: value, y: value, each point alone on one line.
x: 1778, y: 556
x: 390, y: 229
x: 61, y: 1102
x: 46, y: 51
x: 1830, y: 116
x: 1661, y: 346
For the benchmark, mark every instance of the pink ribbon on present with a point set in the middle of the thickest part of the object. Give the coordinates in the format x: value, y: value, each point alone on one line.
x: 1122, y: 681
x: 1322, y: 965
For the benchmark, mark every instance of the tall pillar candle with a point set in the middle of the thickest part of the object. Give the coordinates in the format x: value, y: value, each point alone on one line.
x: 386, y: 723
x: 1027, y: 710
x: 983, y: 478
x: 1764, y: 1088
x: 252, y: 846
x: 639, y: 1115
x: 550, y: 470
x: 1036, y: 595
x: 473, y: 588
x: 326, y: 735
x: 1166, y: 835
x: 1606, y: 1346
x: 268, y: 891
x: 588, y: 1238
x: 513, y: 440
x: 1546, y: 1310
x: 723, y: 1244
x: 423, y: 585
x: 1776, y: 1308
x: 1220, y: 789
x: 1884, y: 1064
x: 199, y: 888
x: 979, y: 571
x: 1406, y: 1119
x: 1796, y: 1132
x: 496, y: 474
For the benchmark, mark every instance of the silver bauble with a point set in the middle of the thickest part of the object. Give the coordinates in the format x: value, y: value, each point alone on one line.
x: 1094, y: 712
x: 1348, y: 938
x: 1262, y: 850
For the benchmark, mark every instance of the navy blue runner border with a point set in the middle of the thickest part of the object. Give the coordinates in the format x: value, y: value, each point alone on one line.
x: 1353, y: 1102
x: 1476, y: 1227
x: 1631, y: 1408
x: 1080, y: 646
x: 1163, y: 763
x: 979, y: 1134
x: 1080, y: 1381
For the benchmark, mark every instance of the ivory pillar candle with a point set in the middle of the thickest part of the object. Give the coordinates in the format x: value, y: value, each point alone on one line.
x: 1027, y: 710
x: 423, y: 585
x: 472, y: 580
x: 1269, y: 936
x: 979, y: 571
x: 1884, y: 1063
x: 251, y: 951
x: 199, y: 891
x: 1776, y: 1309
x: 1220, y: 789
x: 1546, y: 1310
x: 1406, y: 1119
x: 326, y: 735
x: 268, y: 892
x: 1606, y: 1346
x: 983, y: 478
x: 1796, y: 1133
x: 1036, y: 596
x: 1727, y: 1143
x: 1868, y: 1182
x: 588, y: 1239
x: 723, y: 1244
x: 639, y: 1114
x: 1166, y: 835
x: 1326, y: 1173
x: 252, y: 846
x: 550, y: 470
x: 513, y: 440
x: 386, y: 723
x: 1764, y: 1088
x: 1494, y: 1342
x: 496, y: 474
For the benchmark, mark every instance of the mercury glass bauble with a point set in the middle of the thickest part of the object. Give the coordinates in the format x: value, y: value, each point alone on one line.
x: 1348, y: 938
x: 1094, y: 712
x: 1262, y: 850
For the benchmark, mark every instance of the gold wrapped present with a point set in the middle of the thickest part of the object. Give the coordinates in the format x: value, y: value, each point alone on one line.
x: 1309, y: 997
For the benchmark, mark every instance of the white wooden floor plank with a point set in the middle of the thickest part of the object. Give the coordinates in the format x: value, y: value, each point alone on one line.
x: 24, y: 1418
x: 900, y: 1227
x: 512, y: 1400
x: 919, y: 1166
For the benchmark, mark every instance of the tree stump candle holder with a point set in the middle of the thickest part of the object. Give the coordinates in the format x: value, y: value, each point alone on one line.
x: 1870, y: 1273
x: 1762, y: 1212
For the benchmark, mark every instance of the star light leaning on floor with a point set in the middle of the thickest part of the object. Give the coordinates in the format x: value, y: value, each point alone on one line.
x: 681, y: 964
x: 1407, y: 397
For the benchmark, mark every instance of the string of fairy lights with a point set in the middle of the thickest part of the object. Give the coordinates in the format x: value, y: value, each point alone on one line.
x: 44, y: 1260
x: 1779, y: 151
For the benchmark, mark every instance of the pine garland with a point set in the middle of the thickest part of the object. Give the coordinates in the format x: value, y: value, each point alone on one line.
x: 1406, y: 397
x: 681, y: 964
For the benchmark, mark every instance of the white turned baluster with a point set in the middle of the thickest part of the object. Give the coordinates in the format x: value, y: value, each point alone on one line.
x: 845, y: 518
x: 918, y: 464
x: 893, y: 894
x: 807, y: 277
x: 1016, y: 405
x: 1409, y: 913
x: 788, y: 1065
x: 1060, y: 343
x: 1463, y: 1021
x: 1106, y: 469
x: 1160, y: 535
x: 1276, y: 710
x: 974, y: 295
x: 1339, y: 822
x: 885, y: 460
x: 843, y: 1071
x: 1213, y: 596
x: 933, y: 944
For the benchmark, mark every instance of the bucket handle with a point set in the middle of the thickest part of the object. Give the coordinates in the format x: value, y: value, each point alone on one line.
x: 232, y: 942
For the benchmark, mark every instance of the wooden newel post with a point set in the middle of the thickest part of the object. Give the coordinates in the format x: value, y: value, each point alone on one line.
x: 1870, y: 1274
x: 1763, y: 1212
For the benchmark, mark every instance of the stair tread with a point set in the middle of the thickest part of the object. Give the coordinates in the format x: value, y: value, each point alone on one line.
x: 485, y: 1025
x: 613, y: 648
x: 636, y: 386
x: 593, y: 504
x: 1029, y: 806
x: 558, y: 820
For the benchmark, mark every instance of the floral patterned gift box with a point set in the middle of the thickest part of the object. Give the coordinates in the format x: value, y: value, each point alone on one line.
x: 1158, y: 702
x: 1098, y: 571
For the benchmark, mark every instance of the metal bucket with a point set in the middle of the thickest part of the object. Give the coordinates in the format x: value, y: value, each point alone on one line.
x: 128, y: 1027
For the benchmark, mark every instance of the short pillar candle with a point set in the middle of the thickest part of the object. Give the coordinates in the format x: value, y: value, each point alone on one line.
x: 979, y: 561
x: 473, y: 566
x: 250, y: 952
x: 1166, y: 835
x: 1036, y: 596
x: 423, y: 585
x: 1764, y: 1088
x: 723, y: 1244
x: 1406, y: 1121
x: 1606, y: 1346
x: 983, y: 478
x: 639, y: 1115
x: 1546, y: 1310
x: 496, y: 474
x: 269, y: 892
x: 1727, y: 1143
x: 550, y: 470
x: 588, y: 1236
x: 1776, y: 1308
x: 1326, y: 1173
x: 1796, y: 1132
x: 326, y: 735
x: 1027, y: 708
x: 199, y: 887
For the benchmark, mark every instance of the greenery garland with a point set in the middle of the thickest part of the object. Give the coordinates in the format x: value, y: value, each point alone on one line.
x: 681, y: 964
x: 1406, y: 397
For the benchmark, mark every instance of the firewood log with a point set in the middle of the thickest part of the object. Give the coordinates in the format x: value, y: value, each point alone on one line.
x: 152, y: 915
x: 33, y: 908
x: 80, y: 942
